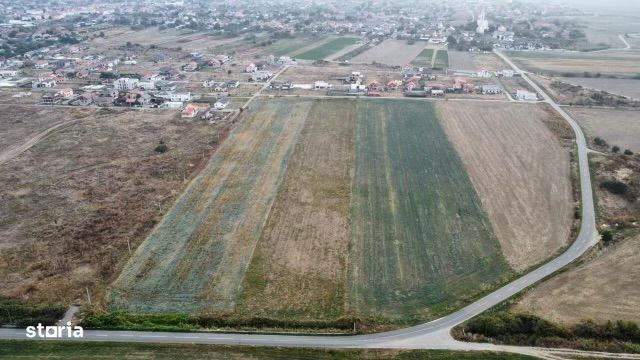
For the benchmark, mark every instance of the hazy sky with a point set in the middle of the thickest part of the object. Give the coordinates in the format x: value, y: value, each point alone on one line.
x: 630, y: 7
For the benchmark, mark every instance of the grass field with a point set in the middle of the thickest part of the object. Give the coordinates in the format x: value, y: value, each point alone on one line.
x: 290, y: 46
x: 420, y: 239
x: 326, y: 49
x: 96, y: 350
x: 604, y: 288
x: 616, y: 126
x: 298, y: 267
x: 625, y: 87
x: 57, y: 221
x: 610, y: 63
x: 320, y: 210
x: 520, y: 171
x: 442, y: 59
x: 424, y: 59
x: 195, y: 259
x: 390, y: 52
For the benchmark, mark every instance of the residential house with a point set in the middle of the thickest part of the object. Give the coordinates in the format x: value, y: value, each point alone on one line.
x: 375, y: 86
x: 125, y: 84
x: 209, y: 83
x: 38, y: 84
x: 190, y: 111
x: 524, y: 95
x: 318, y: 85
x: 484, y: 73
x: 491, y: 89
x: 251, y: 68
x: 8, y: 73
x: 48, y: 98
x: 192, y: 66
x: 261, y: 76
x: 221, y: 103
x: 233, y: 84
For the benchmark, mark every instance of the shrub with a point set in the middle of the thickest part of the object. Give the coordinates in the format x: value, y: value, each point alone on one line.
x: 628, y: 152
x: 162, y: 147
x: 600, y: 142
x: 607, y: 236
x: 614, y: 187
x: 615, y: 149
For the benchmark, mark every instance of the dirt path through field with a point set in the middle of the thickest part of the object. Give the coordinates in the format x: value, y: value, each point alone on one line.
x: 14, y: 151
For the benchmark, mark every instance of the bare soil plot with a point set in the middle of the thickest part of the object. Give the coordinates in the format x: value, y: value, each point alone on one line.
x: 625, y: 87
x: 299, y: 266
x: 461, y: 60
x: 520, y: 172
x: 420, y: 239
x: 604, y: 288
x: 188, y: 40
x: 615, y: 63
x: 390, y: 52
x: 489, y: 61
x: 616, y: 126
x: 70, y: 204
x: 196, y: 257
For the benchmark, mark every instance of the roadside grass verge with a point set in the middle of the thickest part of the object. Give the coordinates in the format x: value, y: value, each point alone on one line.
x: 20, y: 314
x: 19, y: 349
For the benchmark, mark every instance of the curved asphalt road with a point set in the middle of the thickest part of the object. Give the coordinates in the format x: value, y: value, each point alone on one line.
x: 431, y: 335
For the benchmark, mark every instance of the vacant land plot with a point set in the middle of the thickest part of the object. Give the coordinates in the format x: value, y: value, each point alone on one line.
x: 425, y: 58
x: 390, y: 52
x: 188, y: 40
x: 196, y: 258
x: 441, y: 60
x: 625, y: 87
x: 617, y: 127
x: 520, y: 172
x: 604, y: 288
x: 71, y: 204
x: 326, y: 49
x: 420, y: 239
x: 290, y: 46
x: 614, y: 63
x: 461, y: 60
x: 489, y: 61
x: 298, y: 268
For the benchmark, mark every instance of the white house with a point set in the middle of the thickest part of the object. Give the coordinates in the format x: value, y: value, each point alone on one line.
x: 491, y: 89
x: 124, y: 84
x: 180, y: 96
x: 261, y: 76
x: 524, y: 95
x: 484, y: 73
x: 320, y: 85
x: 8, y: 73
x: 221, y: 103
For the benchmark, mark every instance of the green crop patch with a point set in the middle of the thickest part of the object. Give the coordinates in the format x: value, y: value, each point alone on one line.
x: 424, y: 58
x: 442, y: 59
x: 420, y: 239
x: 327, y: 49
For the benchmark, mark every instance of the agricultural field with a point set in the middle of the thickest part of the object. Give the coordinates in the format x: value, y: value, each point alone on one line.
x: 391, y: 52
x: 290, y: 46
x: 441, y: 60
x: 298, y: 267
x: 625, y: 87
x: 488, y: 61
x: 101, y: 173
x: 461, y: 60
x: 520, y: 172
x: 603, y: 288
x: 207, y: 238
x: 618, y: 63
x: 424, y: 59
x: 326, y: 49
x: 320, y: 210
x: 616, y: 126
x: 420, y: 239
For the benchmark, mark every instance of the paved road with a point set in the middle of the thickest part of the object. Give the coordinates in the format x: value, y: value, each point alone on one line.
x: 431, y: 335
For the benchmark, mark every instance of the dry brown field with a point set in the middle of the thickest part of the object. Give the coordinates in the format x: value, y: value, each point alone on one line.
x: 391, y: 52
x: 614, y: 62
x: 616, y: 126
x: 70, y: 204
x: 299, y: 263
x: 625, y: 87
x: 519, y: 170
x: 461, y: 60
x: 603, y: 288
x: 489, y: 61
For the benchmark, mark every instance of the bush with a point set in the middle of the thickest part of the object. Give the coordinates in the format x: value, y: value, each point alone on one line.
x: 162, y: 147
x: 615, y: 149
x: 628, y: 152
x: 14, y: 312
x: 600, y: 142
x: 614, y: 187
x: 607, y: 236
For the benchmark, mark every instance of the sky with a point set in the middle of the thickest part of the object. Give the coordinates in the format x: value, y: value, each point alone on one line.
x: 629, y: 7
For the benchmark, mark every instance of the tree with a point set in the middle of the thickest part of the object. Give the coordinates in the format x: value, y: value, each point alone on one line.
x: 607, y: 236
x: 162, y: 147
x: 628, y: 152
x: 615, y: 149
